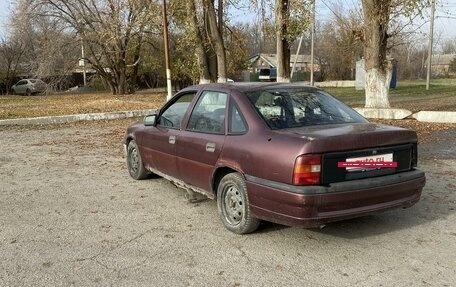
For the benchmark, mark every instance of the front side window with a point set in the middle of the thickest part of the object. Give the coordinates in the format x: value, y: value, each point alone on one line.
x: 298, y: 107
x: 208, y: 116
x: 172, y: 116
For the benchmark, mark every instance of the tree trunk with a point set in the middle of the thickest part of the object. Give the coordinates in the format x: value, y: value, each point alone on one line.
x: 377, y: 87
x: 217, y: 40
x: 378, y: 69
x: 283, y: 47
x: 203, y: 66
x: 211, y: 56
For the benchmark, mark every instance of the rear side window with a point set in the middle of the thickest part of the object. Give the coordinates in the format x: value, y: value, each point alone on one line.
x: 299, y: 107
x: 237, y: 123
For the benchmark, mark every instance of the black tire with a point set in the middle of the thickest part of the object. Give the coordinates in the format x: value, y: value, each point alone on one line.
x: 28, y: 92
x: 134, y: 162
x: 233, y: 205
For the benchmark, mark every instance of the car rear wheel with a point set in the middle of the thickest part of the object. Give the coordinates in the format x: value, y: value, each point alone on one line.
x: 233, y: 205
x: 134, y: 162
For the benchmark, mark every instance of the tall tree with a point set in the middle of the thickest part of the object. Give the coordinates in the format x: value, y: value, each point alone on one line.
x: 111, y: 31
x: 377, y: 16
x: 198, y: 40
x: 283, y: 44
x: 204, y: 27
x: 215, y: 32
x: 292, y: 17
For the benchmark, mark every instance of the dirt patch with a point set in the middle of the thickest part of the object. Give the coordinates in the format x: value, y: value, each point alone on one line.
x: 14, y: 106
x: 426, y: 131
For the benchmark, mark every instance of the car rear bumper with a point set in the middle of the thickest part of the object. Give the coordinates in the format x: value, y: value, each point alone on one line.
x: 313, y: 206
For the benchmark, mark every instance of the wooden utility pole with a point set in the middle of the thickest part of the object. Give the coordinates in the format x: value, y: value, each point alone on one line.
x: 312, y: 39
x: 165, y: 40
x: 431, y: 42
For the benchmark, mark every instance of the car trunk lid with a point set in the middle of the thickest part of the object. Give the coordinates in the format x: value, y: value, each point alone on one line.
x: 360, y: 142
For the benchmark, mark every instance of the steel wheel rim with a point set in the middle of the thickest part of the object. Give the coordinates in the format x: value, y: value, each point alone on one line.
x: 233, y: 205
x: 134, y: 160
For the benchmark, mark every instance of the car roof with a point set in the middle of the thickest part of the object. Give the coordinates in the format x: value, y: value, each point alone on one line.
x: 251, y: 86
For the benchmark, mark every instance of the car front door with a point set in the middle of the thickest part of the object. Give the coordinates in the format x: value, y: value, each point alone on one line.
x: 20, y: 87
x: 203, y: 139
x: 159, y: 142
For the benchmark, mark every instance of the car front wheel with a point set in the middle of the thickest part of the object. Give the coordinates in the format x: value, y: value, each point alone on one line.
x: 134, y: 162
x: 233, y: 205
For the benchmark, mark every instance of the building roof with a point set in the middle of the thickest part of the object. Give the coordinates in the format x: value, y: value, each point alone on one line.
x: 271, y: 59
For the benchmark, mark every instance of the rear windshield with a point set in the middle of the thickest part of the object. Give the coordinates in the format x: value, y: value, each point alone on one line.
x: 299, y: 107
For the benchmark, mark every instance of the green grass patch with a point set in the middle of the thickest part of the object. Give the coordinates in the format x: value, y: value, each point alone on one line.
x: 409, y: 95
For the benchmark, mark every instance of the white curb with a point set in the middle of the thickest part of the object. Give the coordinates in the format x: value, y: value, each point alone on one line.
x: 435, y: 117
x: 75, y: 118
x: 389, y: 114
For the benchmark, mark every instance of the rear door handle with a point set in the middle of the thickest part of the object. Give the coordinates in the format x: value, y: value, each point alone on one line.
x: 210, y: 147
x: 172, y: 139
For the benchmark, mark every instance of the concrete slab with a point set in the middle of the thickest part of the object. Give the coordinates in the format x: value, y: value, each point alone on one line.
x: 75, y: 118
x: 337, y: 84
x: 389, y: 114
x: 435, y: 116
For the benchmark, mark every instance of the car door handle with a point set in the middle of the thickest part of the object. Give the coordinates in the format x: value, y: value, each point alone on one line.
x: 210, y: 147
x: 172, y: 139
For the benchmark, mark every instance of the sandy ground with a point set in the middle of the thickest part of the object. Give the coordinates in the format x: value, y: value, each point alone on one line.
x: 71, y: 216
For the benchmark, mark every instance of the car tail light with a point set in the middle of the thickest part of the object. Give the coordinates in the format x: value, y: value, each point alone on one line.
x: 307, y: 170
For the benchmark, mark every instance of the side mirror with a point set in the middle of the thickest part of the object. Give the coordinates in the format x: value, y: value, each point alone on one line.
x: 150, y: 120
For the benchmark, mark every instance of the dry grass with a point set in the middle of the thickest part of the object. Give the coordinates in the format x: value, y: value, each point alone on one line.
x: 14, y: 106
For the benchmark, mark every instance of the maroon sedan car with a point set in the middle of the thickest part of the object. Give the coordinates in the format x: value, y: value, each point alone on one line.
x: 284, y: 153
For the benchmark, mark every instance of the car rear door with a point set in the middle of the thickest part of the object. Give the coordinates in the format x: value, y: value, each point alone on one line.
x: 202, y: 141
x: 159, y: 142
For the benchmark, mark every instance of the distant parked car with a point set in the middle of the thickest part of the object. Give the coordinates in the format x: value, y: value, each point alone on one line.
x: 285, y: 153
x: 29, y: 87
x: 268, y: 75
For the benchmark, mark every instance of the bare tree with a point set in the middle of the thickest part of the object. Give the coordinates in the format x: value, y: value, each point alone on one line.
x: 337, y: 48
x: 198, y: 40
x: 283, y: 44
x: 11, y: 52
x: 215, y: 32
x: 111, y: 32
x: 292, y: 19
x: 377, y: 17
x: 204, y: 27
x: 448, y: 46
x: 38, y: 46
